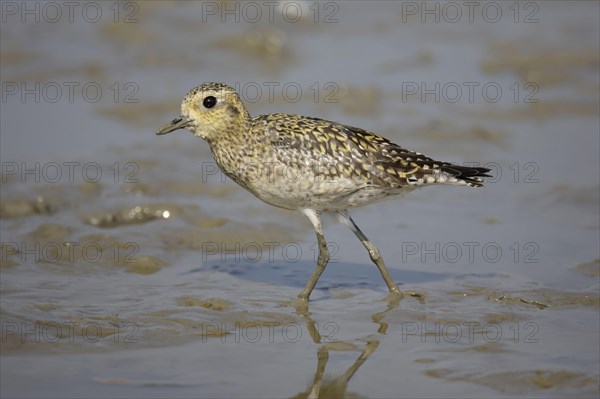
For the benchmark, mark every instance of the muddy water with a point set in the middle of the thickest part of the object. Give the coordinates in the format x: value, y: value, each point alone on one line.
x: 131, y: 267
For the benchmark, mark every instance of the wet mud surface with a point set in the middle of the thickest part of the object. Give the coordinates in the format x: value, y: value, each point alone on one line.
x: 146, y: 272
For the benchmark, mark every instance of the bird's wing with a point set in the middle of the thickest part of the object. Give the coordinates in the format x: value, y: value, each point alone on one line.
x: 357, y: 153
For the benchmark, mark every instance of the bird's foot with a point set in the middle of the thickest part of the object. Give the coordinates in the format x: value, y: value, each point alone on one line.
x: 302, y: 305
x: 395, y: 295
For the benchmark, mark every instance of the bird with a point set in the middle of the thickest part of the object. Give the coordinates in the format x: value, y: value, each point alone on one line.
x: 311, y: 165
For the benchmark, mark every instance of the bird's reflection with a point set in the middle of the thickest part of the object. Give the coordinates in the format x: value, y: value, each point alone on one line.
x: 326, y: 387
x: 335, y: 387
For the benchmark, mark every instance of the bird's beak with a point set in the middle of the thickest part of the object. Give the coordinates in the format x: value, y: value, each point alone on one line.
x: 178, y: 123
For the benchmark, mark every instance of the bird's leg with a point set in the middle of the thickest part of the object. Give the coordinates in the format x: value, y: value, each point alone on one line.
x: 345, y: 218
x: 323, y: 258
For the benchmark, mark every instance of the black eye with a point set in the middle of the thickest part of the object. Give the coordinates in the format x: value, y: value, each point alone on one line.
x: 209, y: 102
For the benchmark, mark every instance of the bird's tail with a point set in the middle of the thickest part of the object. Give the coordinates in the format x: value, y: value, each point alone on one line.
x: 472, y: 176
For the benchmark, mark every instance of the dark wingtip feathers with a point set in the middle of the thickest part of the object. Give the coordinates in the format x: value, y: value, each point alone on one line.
x: 473, y: 176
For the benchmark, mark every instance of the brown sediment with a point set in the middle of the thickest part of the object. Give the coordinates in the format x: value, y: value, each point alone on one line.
x: 6, y: 263
x: 90, y: 190
x: 136, y: 114
x: 208, y: 222
x: 540, y: 298
x: 490, y: 220
x: 269, y: 46
x: 137, y: 214
x: 50, y: 232
x: 144, y: 264
x: 418, y: 295
x: 438, y: 132
x: 591, y: 269
x: 516, y: 382
x: 544, y: 68
x: 498, y: 318
x: 542, y: 110
x: 343, y: 295
x: 516, y: 299
x: 143, y: 383
x: 15, y: 56
x: 46, y: 307
x: 43, y: 74
x: 209, y: 303
x: 227, y: 236
x: 424, y: 360
x: 576, y: 195
x: 21, y: 207
x: 552, y: 298
x: 141, y: 189
x: 354, y: 100
x: 488, y: 347
x: 213, y: 312
x: 422, y: 59
x: 194, y: 187
x: 128, y: 34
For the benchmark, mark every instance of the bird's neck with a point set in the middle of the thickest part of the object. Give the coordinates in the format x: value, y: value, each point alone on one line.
x: 235, y: 143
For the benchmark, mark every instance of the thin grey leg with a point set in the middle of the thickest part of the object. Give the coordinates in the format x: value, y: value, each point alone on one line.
x: 323, y: 258
x: 345, y: 218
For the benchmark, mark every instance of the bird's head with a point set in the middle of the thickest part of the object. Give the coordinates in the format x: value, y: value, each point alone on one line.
x: 209, y: 111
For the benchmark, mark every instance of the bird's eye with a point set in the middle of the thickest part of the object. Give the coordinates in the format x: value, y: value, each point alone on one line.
x: 209, y: 102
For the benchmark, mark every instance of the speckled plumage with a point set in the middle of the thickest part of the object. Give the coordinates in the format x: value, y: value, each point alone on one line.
x: 309, y: 164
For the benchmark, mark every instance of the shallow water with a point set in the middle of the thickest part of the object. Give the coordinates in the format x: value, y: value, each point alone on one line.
x: 131, y: 267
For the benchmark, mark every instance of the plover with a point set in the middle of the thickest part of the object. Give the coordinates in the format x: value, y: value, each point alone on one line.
x: 309, y: 164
